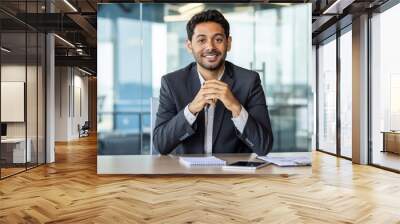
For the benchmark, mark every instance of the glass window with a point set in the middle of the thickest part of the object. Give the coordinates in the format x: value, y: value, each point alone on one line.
x: 31, y: 101
x: 284, y: 71
x: 385, y: 84
x: 146, y: 41
x: 14, y: 153
x: 346, y: 94
x: 22, y: 91
x: 327, y: 96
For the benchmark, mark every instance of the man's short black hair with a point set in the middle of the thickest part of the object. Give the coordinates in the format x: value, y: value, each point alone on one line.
x: 211, y: 15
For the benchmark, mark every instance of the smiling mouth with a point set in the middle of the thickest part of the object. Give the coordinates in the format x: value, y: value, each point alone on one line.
x: 211, y: 57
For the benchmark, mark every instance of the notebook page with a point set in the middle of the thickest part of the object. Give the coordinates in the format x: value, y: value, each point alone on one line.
x: 202, y: 161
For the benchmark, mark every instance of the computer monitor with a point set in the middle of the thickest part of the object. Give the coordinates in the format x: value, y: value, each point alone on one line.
x: 3, y: 129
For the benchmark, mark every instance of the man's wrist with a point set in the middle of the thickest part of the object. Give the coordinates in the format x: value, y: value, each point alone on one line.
x: 236, y: 110
x: 191, y: 110
x: 190, y: 118
x: 241, y: 120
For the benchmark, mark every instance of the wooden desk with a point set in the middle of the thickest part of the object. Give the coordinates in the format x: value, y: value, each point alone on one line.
x: 391, y: 141
x: 159, y: 164
x: 17, y: 150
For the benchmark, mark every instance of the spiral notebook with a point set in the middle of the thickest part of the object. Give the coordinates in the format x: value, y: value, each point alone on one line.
x: 202, y: 161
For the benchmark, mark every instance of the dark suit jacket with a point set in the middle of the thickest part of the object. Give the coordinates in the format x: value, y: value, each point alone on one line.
x: 178, y: 89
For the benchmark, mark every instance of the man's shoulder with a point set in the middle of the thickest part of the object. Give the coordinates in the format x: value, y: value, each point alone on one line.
x: 179, y: 74
x: 241, y: 73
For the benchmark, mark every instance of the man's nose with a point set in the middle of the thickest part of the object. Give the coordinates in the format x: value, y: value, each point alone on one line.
x: 210, y: 45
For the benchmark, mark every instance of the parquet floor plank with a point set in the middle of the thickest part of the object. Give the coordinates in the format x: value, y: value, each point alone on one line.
x: 70, y: 191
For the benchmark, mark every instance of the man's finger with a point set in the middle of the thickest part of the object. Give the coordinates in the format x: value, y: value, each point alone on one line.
x: 210, y: 91
x: 212, y: 96
x: 213, y: 86
x: 214, y: 81
x: 210, y: 102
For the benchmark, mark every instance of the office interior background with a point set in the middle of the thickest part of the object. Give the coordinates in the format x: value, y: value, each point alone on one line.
x: 139, y: 43
x: 29, y: 104
x: 49, y: 83
x: 52, y: 103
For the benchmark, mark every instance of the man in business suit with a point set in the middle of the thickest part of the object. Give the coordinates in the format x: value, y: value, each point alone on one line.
x: 212, y: 105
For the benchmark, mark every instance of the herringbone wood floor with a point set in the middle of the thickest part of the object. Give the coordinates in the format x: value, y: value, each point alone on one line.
x: 69, y: 191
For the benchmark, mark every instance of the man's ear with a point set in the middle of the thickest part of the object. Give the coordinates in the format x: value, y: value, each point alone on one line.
x: 188, y: 46
x: 229, y: 43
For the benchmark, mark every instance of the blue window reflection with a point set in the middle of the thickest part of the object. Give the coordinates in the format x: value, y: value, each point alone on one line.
x: 139, y: 43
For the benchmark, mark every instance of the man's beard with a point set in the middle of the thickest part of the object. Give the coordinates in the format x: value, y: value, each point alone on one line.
x: 211, y: 67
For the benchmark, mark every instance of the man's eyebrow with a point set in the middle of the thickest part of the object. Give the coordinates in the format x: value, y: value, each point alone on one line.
x: 203, y: 35
x: 220, y: 34
x: 200, y: 35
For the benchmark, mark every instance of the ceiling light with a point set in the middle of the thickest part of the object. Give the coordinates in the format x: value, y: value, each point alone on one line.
x: 188, y: 7
x: 337, y: 7
x: 70, y: 5
x: 187, y: 11
x: 282, y: 4
x: 79, y: 51
x: 64, y: 40
x: 175, y: 18
x: 5, y: 50
x: 84, y: 71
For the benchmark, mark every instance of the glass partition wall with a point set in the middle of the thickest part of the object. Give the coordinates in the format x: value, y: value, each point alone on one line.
x: 139, y: 43
x: 22, y: 77
x: 327, y: 79
x: 346, y: 75
x: 334, y: 106
x: 385, y: 90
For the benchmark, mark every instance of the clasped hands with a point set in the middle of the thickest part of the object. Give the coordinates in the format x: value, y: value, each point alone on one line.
x: 212, y: 91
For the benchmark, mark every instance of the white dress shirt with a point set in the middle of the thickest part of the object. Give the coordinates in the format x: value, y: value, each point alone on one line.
x: 239, y: 121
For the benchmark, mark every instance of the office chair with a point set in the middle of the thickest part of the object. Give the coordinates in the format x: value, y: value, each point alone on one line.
x: 84, y: 130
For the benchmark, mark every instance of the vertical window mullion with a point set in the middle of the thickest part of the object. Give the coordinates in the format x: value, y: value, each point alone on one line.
x: 26, y: 86
x: 338, y: 73
x: 317, y: 96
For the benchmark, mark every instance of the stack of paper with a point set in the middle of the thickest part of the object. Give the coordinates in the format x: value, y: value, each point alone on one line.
x: 287, y: 161
x: 202, y: 161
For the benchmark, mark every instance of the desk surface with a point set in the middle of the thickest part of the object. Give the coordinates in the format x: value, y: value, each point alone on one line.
x: 169, y: 164
x: 13, y: 140
x: 390, y: 132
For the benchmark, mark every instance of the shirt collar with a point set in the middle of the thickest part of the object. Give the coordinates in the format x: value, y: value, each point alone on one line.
x: 202, y: 79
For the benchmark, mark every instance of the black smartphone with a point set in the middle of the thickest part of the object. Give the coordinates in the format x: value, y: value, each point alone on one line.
x: 246, y: 165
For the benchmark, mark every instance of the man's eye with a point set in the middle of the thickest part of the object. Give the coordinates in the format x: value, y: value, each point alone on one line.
x: 201, y: 40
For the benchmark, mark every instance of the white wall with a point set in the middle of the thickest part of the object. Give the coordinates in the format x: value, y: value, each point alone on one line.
x: 80, y: 109
x: 71, y: 102
x: 33, y: 125
x: 61, y: 103
x: 17, y: 73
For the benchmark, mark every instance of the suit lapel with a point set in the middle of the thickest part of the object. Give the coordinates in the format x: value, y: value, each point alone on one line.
x: 193, y: 82
x: 220, y: 108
